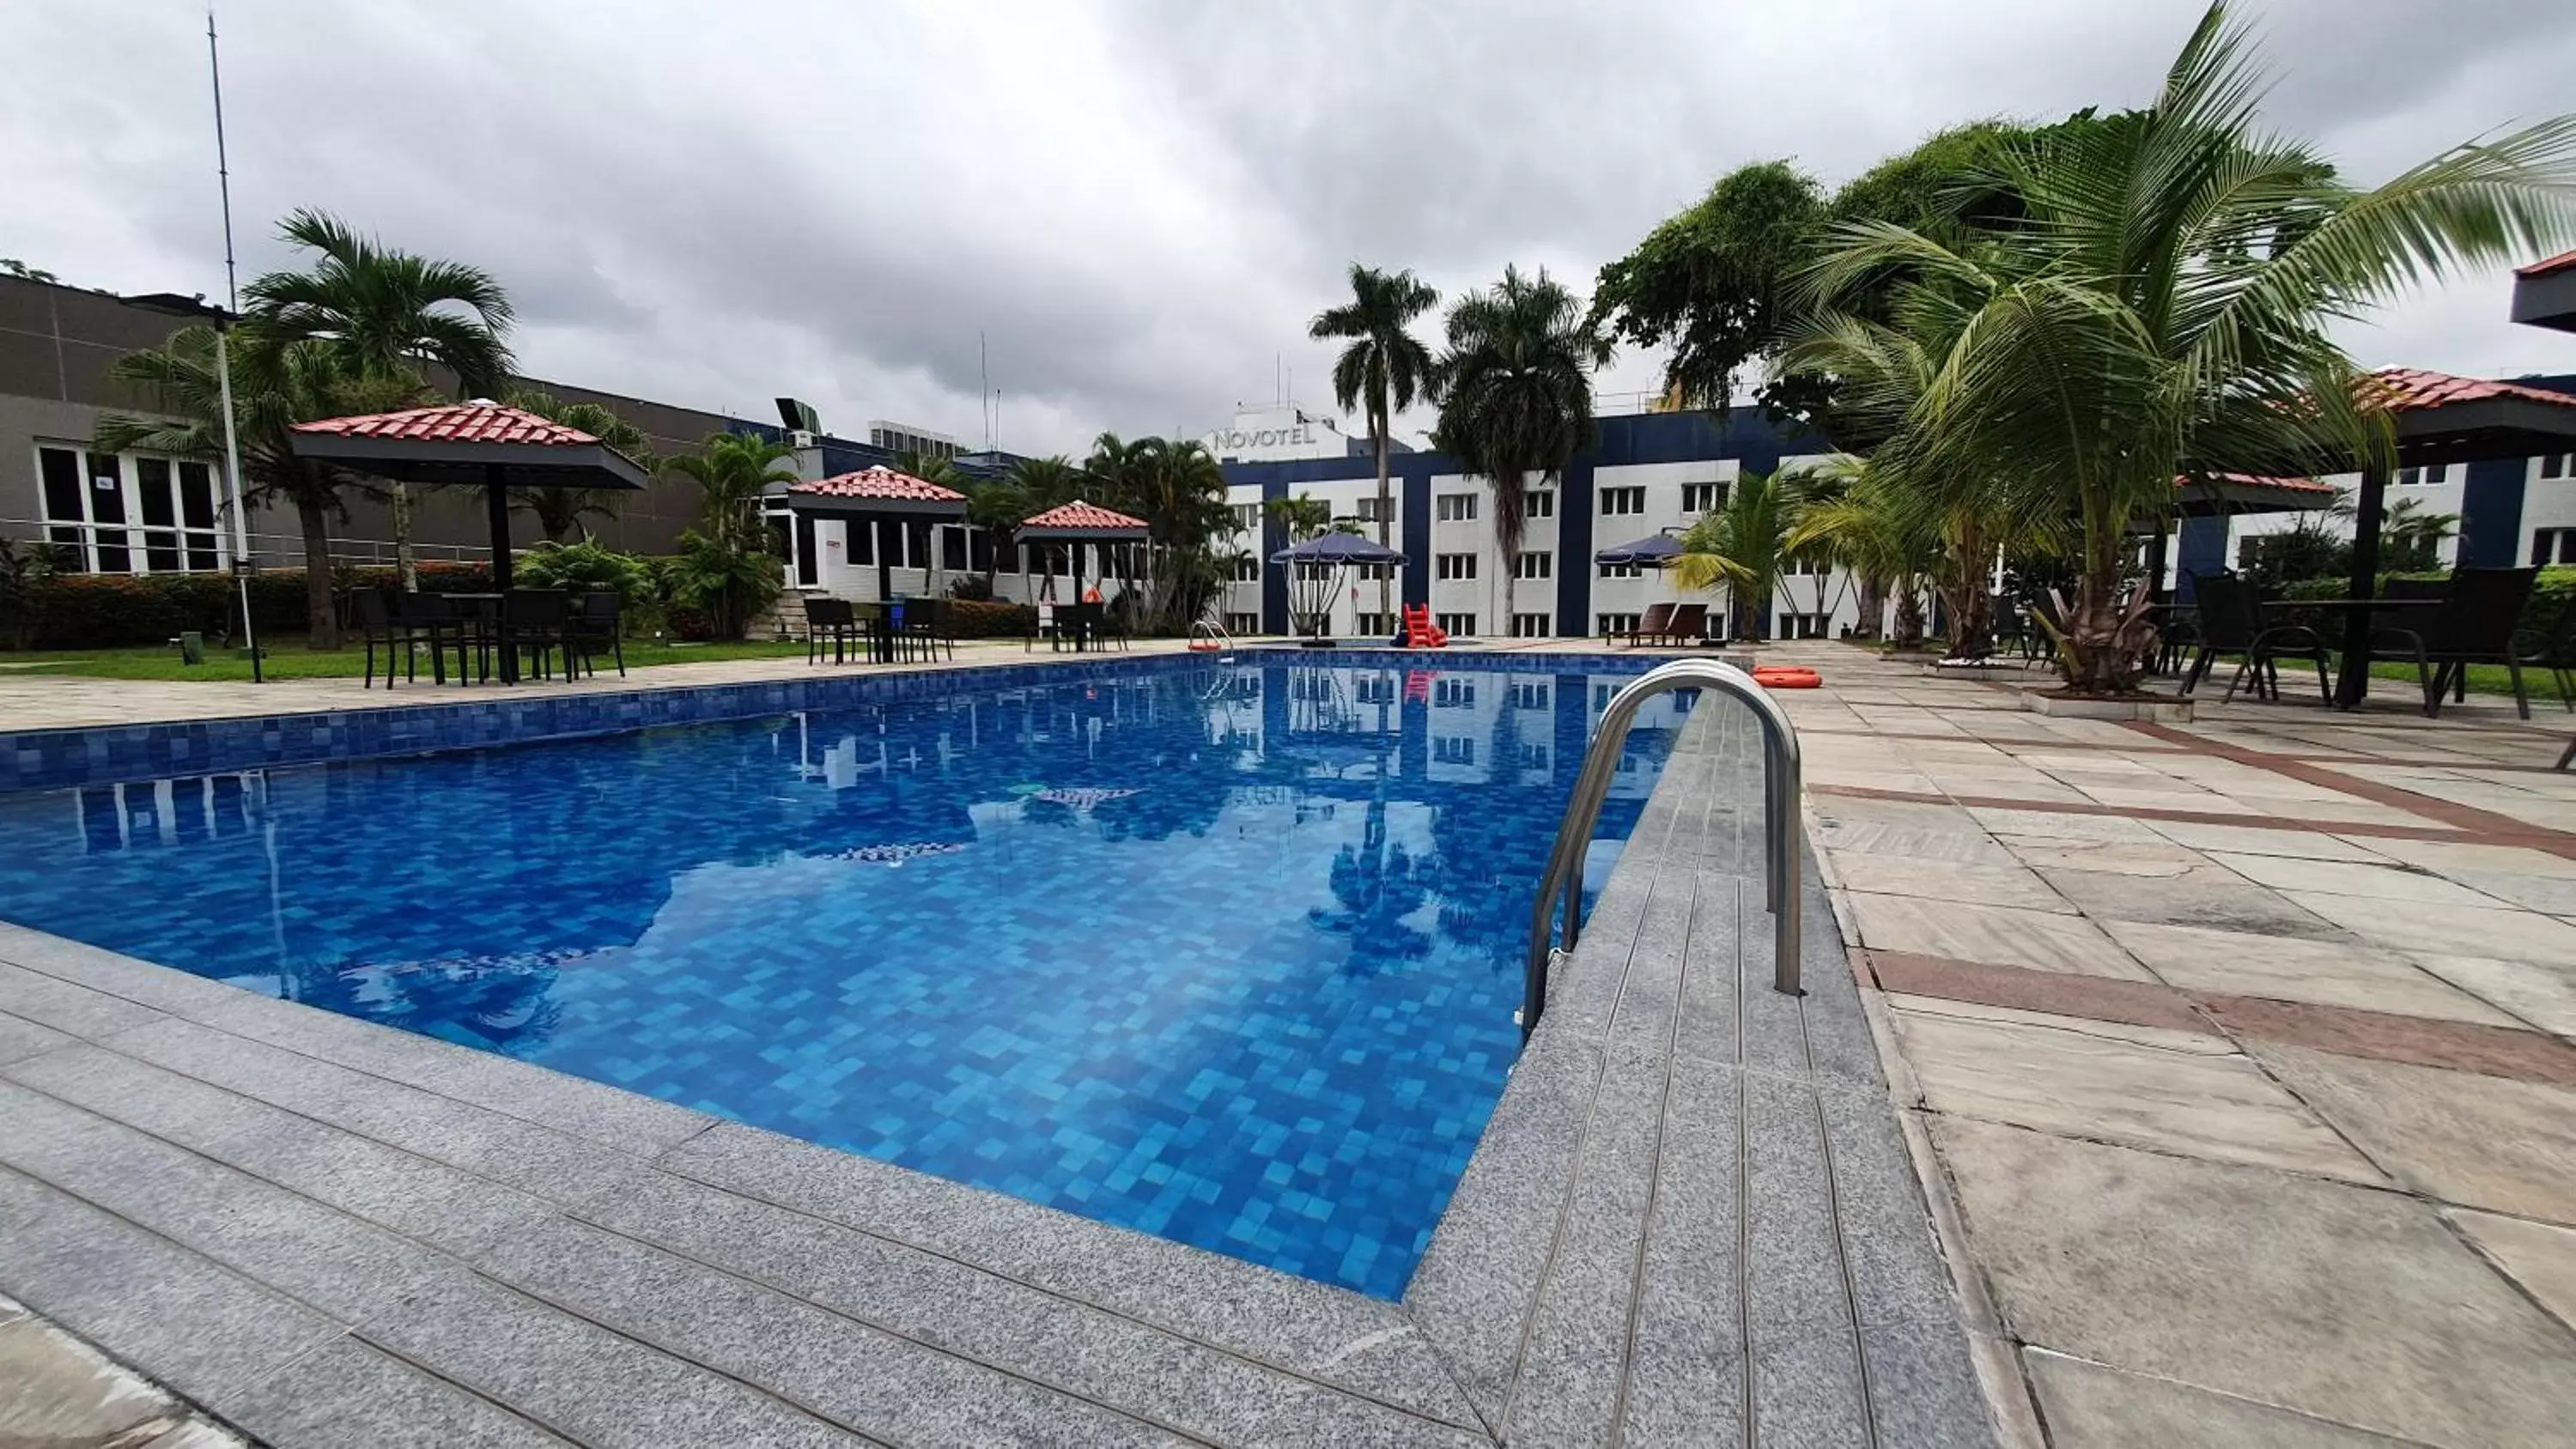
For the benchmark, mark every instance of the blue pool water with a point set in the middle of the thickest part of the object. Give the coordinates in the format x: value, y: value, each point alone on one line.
x: 1226, y: 953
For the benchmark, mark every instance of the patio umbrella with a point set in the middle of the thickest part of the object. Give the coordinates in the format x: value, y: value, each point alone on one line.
x: 1338, y: 548
x: 1079, y: 523
x: 876, y: 495
x: 2439, y: 418
x: 477, y: 444
x: 1655, y: 552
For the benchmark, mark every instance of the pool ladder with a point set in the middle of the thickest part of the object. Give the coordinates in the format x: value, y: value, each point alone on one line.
x: 1783, y: 829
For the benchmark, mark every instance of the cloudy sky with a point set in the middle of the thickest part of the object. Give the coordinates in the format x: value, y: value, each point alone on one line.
x: 1138, y: 205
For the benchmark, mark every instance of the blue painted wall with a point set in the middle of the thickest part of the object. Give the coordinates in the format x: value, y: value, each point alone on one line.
x: 2491, y: 513
x: 2201, y: 548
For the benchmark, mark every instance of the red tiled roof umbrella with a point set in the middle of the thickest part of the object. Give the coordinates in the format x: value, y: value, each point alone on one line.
x: 877, y: 495
x: 478, y: 444
x: 1079, y: 523
x: 2439, y: 418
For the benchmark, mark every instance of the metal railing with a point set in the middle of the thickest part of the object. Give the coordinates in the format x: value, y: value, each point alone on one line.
x: 1783, y: 828
x: 273, y: 550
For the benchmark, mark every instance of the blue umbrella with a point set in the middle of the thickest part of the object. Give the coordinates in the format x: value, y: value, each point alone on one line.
x: 1654, y: 552
x: 1338, y: 548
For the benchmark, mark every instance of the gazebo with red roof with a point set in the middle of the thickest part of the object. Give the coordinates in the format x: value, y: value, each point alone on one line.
x: 471, y: 444
x: 878, y: 495
x: 2438, y: 419
x: 1081, y: 524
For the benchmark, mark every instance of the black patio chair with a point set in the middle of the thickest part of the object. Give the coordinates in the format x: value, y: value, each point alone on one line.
x: 928, y: 627
x: 834, y: 619
x: 2475, y: 625
x: 2231, y: 622
x: 597, y: 627
x: 2401, y: 633
x: 540, y: 622
x: 382, y: 620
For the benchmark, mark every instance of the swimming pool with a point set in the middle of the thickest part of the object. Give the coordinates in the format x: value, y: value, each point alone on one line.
x: 1224, y: 952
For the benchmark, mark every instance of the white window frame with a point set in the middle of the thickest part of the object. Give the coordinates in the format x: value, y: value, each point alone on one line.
x: 1454, y: 567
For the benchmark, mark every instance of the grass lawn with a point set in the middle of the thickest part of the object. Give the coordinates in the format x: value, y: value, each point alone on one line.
x: 2537, y: 683
x: 294, y: 661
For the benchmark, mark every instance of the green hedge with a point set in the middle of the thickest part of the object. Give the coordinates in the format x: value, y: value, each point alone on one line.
x: 104, y: 611
x: 992, y: 619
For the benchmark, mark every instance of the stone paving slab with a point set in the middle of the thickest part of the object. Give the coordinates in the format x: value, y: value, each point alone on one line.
x: 1692, y: 1221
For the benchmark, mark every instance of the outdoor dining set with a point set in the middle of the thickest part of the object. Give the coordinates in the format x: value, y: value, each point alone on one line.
x: 503, y: 635
x: 2441, y: 626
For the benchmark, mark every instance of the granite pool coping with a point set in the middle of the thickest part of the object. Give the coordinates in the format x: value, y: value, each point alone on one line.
x: 1691, y: 1221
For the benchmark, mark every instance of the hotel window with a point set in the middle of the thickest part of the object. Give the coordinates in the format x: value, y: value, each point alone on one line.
x: 1372, y: 573
x: 1243, y: 623
x: 1703, y: 497
x: 95, y: 501
x: 1247, y: 517
x: 1247, y: 569
x: 1461, y: 625
x: 1453, y: 693
x: 1606, y: 625
x: 1530, y: 626
x: 1375, y: 626
x: 1456, y: 507
x: 1530, y: 694
x: 1541, y: 504
x: 1535, y: 564
x: 1373, y: 688
x: 1623, y: 500
x: 2421, y: 477
x: 2553, y: 545
x: 1453, y: 749
x: 1366, y: 509
x: 2558, y: 465
x: 1533, y: 757
x: 1622, y: 571
x: 1454, y: 566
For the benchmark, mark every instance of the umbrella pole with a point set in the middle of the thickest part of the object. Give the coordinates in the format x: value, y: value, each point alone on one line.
x: 496, y: 499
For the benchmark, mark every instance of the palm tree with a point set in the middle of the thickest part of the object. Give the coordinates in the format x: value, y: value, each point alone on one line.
x: 1516, y: 394
x: 997, y: 509
x: 2164, y: 310
x: 732, y: 474
x: 385, y: 313
x: 1856, y: 523
x: 1745, y: 545
x: 275, y: 383
x: 1385, y: 368
x: 559, y: 511
x: 1047, y: 481
x: 1035, y: 485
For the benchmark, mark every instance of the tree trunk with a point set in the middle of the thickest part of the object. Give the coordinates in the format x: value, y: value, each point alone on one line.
x: 2099, y: 660
x: 403, y: 559
x: 1873, y: 608
x: 1909, y: 615
x: 322, y: 630
x: 1377, y: 427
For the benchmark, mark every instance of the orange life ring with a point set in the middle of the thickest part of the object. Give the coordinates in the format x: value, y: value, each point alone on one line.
x: 1787, y: 676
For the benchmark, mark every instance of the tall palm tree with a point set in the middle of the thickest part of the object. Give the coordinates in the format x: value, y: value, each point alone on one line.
x: 1385, y: 368
x: 2164, y: 309
x: 732, y: 474
x: 385, y: 313
x: 1856, y: 523
x: 1516, y: 394
x: 559, y: 511
x: 275, y: 383
x: 1048, y: 481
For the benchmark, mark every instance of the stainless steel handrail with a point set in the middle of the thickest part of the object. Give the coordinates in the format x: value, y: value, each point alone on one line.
x: 1563, y: 883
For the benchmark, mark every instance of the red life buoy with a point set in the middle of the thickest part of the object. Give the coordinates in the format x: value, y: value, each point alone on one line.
x: 1786, y: 676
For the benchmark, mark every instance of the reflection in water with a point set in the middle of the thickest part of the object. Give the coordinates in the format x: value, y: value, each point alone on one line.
x: 1226, y: 952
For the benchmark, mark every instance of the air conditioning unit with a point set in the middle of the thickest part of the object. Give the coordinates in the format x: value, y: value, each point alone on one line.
x: 800, y: 439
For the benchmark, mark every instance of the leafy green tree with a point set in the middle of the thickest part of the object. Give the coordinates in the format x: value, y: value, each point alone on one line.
x: 385, y: 314
x: 1310, y: 590
x: 1714, y: 283
x: 1856, y: 523
x: 2165, y: 310
x: 1744, y: 544
x: 1385, y: 368
x: 1048, y: 482
x: 559, y: 511
x: 732, y: 473
x: 1516, y: 393
x: 276, y: 382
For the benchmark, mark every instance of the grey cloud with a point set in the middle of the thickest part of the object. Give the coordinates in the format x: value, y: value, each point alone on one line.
x: 1140, y: 205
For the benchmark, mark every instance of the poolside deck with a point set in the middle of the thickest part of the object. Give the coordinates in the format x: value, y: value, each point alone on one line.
x: 1693, y: 1220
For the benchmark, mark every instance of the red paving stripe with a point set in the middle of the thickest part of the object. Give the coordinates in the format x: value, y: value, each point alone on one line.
x: 2061, y: 993
x: 2461, y: 817
x: 2458, y: 1046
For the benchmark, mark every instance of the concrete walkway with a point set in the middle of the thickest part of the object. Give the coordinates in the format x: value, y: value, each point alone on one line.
x: 2244, y: 1046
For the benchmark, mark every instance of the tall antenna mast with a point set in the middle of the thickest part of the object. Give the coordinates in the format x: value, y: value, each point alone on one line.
x: 242, y: 562
x: 984, y: 385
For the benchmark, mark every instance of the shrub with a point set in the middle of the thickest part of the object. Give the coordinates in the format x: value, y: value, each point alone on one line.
x: 992, y: 619
x: 105, y: 611
x: 973, y: 588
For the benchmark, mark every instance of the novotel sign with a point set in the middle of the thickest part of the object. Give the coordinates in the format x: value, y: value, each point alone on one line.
x: 1238, y: 440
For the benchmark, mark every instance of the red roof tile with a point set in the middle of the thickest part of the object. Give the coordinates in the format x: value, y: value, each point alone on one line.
x: 2409, y: 388
x: 469, y: 422
x: 1079, y: 514
x: 879, y: 482
x: 2251, y: 480
x: 2552, y: 266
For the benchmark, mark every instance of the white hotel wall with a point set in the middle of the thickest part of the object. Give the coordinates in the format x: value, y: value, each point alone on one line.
x: 2547, y: 503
